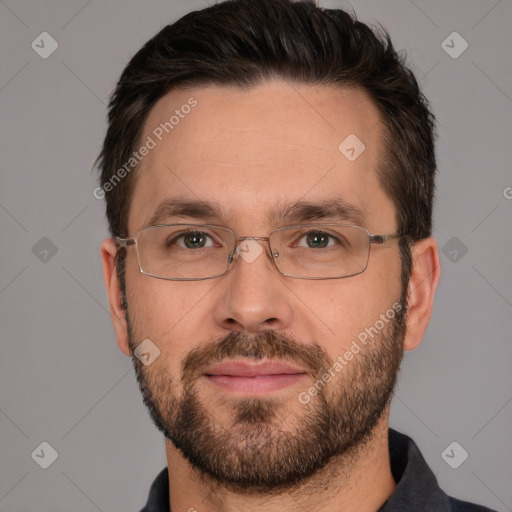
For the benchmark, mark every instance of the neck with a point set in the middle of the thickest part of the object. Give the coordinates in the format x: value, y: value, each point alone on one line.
x: 357, y: 481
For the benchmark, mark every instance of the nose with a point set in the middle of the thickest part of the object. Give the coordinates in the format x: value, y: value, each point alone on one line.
x: 253, y: 295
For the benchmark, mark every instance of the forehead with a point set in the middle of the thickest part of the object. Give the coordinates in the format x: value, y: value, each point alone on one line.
x: 255, y: 152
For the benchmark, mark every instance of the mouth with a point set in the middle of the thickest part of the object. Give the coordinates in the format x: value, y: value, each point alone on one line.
x: 254, y: 377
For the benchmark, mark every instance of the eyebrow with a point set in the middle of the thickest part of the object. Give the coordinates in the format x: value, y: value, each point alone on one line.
x: 333, y: 209
x: 186, y: 208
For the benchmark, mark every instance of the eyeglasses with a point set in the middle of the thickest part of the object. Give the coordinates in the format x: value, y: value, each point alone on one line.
x: 192, y: 252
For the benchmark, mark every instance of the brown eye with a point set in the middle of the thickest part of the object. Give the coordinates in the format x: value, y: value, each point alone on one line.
x: 194, y: 240
x: 191, y: 240
x: 317, y: 240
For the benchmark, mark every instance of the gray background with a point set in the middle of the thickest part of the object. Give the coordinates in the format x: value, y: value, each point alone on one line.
x: 63, y: 379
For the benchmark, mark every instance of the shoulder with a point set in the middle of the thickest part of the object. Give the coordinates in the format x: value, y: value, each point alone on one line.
x: 464, y: 506
x: 416, y: 483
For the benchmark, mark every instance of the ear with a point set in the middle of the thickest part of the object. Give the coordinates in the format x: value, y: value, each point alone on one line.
x: 108, y: 258
x: 425, y: 274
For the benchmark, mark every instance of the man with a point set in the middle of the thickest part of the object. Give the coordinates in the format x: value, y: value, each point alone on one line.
x: 269, y: 174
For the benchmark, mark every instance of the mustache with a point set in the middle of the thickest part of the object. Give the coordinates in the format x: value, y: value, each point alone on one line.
x: 263, y: 345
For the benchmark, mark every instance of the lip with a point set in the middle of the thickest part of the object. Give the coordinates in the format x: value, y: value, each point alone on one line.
x: 246, y: 369
x: 254, y: 378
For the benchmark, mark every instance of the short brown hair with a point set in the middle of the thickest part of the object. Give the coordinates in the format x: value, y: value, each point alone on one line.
x: 243, y: 42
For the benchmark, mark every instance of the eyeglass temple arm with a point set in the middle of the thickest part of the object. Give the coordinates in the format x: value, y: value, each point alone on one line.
x: 380, y: 239
x: 124, y: 242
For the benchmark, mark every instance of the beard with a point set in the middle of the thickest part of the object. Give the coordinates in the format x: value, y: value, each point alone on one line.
x: 273, y: 444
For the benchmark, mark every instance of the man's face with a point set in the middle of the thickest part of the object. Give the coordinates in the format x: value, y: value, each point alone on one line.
x: 249, y: 154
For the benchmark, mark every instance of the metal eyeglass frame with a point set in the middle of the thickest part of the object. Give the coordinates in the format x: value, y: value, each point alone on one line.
x: 372, y: 239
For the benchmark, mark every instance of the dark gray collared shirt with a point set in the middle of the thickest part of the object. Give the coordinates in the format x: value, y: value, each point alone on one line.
x: 417, y: 489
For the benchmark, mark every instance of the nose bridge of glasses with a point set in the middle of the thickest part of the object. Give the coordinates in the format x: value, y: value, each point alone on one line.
x: 258, y: 239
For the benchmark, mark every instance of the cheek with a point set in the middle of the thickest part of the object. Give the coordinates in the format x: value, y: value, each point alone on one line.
x: 338, y: 311
x: 170, y: 312
x: 169, y: 317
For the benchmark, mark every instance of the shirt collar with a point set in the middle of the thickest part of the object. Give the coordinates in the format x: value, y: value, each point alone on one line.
x: 417, y: 488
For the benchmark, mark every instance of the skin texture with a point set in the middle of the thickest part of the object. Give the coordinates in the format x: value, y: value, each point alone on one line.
x: 248, y: 151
